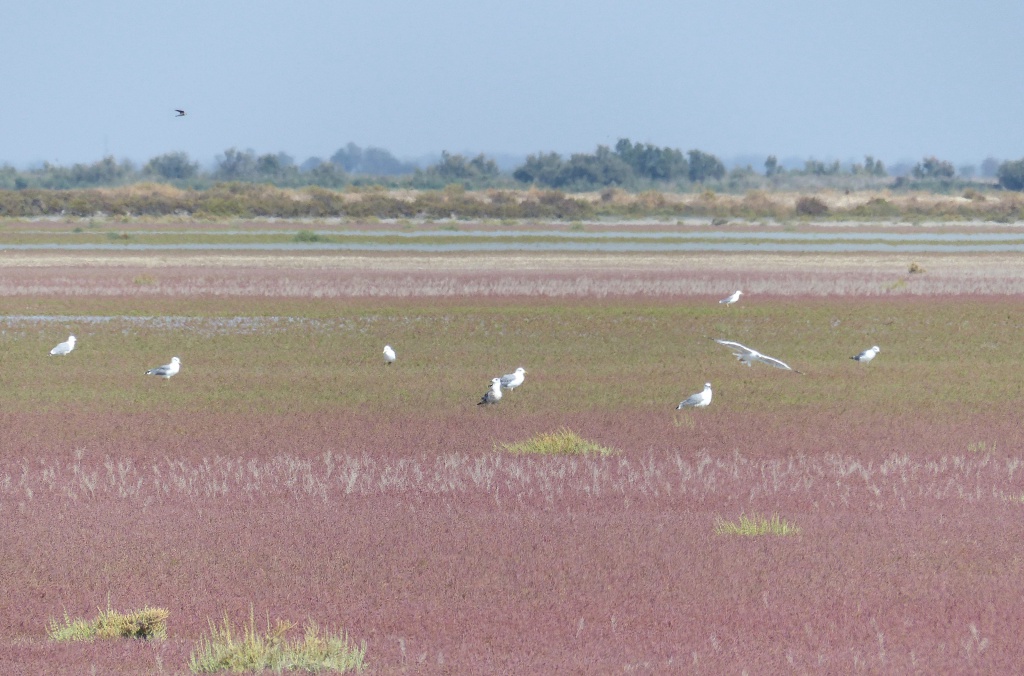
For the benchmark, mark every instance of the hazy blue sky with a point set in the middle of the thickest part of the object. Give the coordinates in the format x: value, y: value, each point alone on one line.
x: 816, y: 78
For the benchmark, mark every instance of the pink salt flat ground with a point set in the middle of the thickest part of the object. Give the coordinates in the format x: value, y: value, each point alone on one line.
x: 446, y: 557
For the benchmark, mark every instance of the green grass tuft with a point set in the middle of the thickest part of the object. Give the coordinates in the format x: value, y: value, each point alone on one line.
x: 561, y: 442
x: 148, y: 623
x: 756, y: 524
x: 228, y: 650
x: 309, y: 236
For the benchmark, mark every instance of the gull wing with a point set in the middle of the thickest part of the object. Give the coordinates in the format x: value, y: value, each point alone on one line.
x: 771, y: 361
x: 741, y: 351
x: 692, y: 400
x: 746, y: 355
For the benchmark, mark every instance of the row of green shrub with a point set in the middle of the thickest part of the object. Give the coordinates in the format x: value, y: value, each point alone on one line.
x: 226, y: 648
x: 248, y: 200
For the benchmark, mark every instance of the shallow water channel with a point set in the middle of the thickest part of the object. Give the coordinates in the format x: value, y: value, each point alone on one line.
x: 470, y: 241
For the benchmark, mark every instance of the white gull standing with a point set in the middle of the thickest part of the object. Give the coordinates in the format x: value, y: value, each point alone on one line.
x: 493, y: 395
x: 167, y: 370
x: 65, y: 347
x: 511, y: 381
x: 748, y: 356
x: 389, y: 355
x: 731, y: 299
x: 867, y: 355
x: 699, y: 400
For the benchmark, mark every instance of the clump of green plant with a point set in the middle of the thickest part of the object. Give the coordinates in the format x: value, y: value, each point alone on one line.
x: 228, y: 650
x: 756, y: 524
x: 560, y: 442
x: 981, y: 447
x: 304, y: 236
x: 148, y: 623
x: 118, y: 236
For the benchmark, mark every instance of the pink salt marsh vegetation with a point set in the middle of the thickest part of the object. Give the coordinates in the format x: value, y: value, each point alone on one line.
x: 485, y: 276
x: 446, y: 556
x: 319, y: 486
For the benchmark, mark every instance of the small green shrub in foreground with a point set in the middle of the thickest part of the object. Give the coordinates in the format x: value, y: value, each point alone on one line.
x: 226, y: 650
x: 145, y: 624
x: 755, y: 524
x: 561, y: 442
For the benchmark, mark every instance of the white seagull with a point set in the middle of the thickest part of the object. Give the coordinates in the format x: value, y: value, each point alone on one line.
x: 493, y: 395
x: 699, y: 400
x: 731, y: 299
x: 65, y: 347
x: 511, y: 381
x: 389, y: 355
x: 167, y: 370
x: 867, y: 355
x: 748, y: 356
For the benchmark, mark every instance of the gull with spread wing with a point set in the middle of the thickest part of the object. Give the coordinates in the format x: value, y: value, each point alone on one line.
x: 749, y: 356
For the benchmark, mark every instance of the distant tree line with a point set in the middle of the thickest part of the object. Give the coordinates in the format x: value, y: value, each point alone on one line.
x: 629, y: 165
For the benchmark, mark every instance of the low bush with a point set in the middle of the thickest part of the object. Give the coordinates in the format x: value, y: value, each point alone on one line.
x: 226, y: 649
x: 304, y: 236
x: 755, y: 524
x: 148, y: 623
x: 561, y: 442
x: 811, y: 206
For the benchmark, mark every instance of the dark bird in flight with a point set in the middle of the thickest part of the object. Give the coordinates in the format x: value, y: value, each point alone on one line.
x: 180, y: 113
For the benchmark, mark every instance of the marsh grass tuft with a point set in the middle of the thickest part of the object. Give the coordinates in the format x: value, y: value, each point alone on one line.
x: 307, y: 236
x: 981, y: 447
x: 148, y: 623
x: 226, y: 649
x: 755, y: 524
x: 560, y: 442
